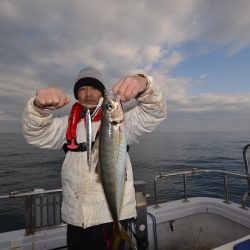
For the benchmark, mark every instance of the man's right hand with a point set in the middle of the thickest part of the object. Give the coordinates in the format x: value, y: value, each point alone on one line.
x: 50, y: 98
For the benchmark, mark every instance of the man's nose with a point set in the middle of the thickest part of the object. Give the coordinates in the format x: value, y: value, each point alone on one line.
x: 89, y: 92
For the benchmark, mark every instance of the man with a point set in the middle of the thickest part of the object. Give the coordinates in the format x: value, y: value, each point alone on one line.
x: 84, y: 205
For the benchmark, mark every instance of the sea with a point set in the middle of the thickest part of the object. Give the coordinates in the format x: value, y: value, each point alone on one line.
x: 24, y: 167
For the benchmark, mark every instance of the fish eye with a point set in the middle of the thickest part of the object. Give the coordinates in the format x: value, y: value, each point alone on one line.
x: 109, y: 106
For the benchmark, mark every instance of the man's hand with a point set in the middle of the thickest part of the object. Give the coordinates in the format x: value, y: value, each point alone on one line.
x: 50, y: 98
x: 130, y: 87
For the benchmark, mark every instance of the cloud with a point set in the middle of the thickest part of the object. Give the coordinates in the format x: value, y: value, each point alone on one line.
x: 203, y: 76
x: 224, y: 26
x: 180, y: 101
x: 46, y: 43
x: 211, y: 102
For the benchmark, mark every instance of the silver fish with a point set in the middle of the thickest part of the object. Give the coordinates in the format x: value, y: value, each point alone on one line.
x: 88, y: 137
x: 112, y: 160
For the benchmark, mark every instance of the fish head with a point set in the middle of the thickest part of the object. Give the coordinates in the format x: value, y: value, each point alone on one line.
x: 112, y: 108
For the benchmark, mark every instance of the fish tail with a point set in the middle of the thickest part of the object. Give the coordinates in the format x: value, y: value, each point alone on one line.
x: 120, y: 234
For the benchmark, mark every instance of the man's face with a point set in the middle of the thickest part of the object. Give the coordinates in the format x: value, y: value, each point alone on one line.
x: 89, y: 96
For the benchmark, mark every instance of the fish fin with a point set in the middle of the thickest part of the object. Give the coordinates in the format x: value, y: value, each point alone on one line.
x: 121, y: 235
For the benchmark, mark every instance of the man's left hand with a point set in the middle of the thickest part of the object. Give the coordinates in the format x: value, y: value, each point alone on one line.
x: 130, y: 87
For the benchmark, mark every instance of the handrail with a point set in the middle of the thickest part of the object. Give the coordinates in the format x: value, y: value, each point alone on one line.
x: 244, y: 198
x: 246, y: 163
x: 15, y: 194
x: 196, y: 171
x: 42, y: 208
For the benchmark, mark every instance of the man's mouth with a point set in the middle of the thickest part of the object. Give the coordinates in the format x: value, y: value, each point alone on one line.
x: 89, y: 101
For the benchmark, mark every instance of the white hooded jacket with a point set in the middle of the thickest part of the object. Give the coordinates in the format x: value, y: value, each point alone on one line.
x: 84, y: 202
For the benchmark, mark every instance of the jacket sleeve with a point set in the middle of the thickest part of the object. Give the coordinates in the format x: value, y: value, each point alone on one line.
x: 39, y: 128
x: 150, y: 110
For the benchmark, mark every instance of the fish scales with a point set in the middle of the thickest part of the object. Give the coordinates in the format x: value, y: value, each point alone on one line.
x: 112, y: 160
x: 113, y: 154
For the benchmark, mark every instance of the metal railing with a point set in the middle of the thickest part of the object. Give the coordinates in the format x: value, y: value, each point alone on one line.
x: 42, y: 208
x: 194, y: 171
x: 244, y: 199
x: 246, y: 163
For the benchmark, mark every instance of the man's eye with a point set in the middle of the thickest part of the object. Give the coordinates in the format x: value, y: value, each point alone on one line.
x: 109, y: 106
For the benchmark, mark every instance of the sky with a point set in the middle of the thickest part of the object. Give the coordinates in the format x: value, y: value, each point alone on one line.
x: 197, y: 50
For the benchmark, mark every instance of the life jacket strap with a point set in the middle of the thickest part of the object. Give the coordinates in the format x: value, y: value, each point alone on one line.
x: 79, y: 147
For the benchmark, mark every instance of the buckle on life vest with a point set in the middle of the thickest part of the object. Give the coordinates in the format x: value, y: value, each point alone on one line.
x: 76, y: 147
x: 73, y: 144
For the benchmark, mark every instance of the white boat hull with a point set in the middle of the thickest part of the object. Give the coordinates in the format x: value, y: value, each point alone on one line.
x: 200, y: 223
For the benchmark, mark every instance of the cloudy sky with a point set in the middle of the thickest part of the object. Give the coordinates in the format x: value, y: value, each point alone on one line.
x: 198, y: 50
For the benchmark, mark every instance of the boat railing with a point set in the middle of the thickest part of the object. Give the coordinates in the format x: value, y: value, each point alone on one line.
x: 43, y: 209
x: 194, y: 171
x: 245, y: 158
x: 244, y: 199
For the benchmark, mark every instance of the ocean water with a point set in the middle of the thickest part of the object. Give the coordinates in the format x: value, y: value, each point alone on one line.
x: 24, y: 167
